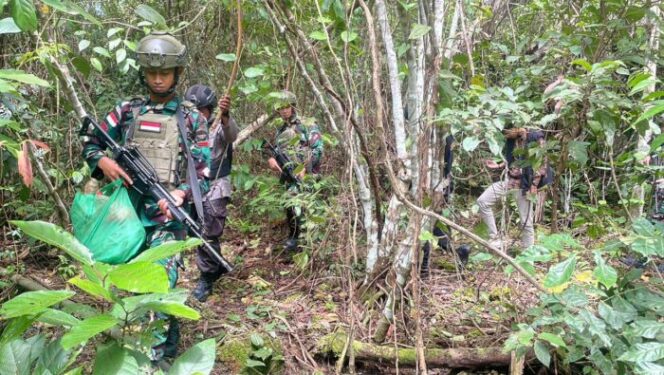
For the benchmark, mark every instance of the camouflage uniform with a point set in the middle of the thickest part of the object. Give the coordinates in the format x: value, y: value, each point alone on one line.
x: 116, y: 124
x: 302, y: 144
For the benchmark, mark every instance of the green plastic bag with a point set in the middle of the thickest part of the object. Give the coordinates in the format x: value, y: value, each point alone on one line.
x: 107, y: 224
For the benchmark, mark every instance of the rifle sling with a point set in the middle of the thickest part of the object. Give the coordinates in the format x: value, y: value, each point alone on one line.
x: 192, y: 177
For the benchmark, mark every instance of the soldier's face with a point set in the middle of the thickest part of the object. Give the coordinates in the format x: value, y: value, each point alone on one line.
x: 286, y: 112
x: 160, y: 80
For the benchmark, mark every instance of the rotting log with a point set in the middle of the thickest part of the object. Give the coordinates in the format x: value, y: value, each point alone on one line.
x: 456, y: 358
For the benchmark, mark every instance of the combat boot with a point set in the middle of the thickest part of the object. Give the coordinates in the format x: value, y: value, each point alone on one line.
x: 290, y: 245
x: 204, y: 286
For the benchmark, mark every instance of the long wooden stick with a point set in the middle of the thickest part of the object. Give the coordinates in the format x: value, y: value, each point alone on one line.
x: 236, y: 63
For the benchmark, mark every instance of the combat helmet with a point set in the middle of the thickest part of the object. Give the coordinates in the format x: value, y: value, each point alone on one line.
x: 161, y: 50
x: 284, y: 98
x: 201, y: 96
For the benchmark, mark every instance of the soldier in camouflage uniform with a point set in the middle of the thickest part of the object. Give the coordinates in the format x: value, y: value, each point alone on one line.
x: 151, y: 124
x: 222, y: 136
x: 303, y: 145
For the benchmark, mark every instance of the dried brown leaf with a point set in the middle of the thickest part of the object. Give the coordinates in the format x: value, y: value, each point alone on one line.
x: 40, y: 144
x: 24, y: 164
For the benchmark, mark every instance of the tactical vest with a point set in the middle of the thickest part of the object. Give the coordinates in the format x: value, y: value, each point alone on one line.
x: 157, y: 136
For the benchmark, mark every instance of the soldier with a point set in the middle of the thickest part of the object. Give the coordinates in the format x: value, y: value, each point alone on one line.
x: 215, y: 201
x: 303, y: 145
x: 172, y: 136
x: 521, y: 179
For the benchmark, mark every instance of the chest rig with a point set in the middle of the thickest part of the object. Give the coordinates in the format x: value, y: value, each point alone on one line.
x: 156, y: 134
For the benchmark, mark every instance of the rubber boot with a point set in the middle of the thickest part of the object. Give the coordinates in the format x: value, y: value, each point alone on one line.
x: 424, y: 266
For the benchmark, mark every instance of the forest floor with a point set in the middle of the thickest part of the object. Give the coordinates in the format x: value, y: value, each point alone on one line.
x: 293, y: 308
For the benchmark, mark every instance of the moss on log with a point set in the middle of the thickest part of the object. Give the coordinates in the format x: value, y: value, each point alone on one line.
x: 435, y: 357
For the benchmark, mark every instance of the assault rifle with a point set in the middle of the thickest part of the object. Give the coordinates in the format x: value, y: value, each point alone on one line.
x: 146, y: 182
x: 140, y: 170
x: 284, y: 162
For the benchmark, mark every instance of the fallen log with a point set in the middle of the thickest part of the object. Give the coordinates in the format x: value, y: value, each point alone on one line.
x: 247, y: 131
x: 455, y: 358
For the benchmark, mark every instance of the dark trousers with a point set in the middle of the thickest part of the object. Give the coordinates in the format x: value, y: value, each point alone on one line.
x: 443, y: 243
x: 294, y: 223
x: 215, y: 220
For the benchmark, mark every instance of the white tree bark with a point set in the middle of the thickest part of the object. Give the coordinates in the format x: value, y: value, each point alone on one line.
x: 643, y: 143
x: 395, y: 84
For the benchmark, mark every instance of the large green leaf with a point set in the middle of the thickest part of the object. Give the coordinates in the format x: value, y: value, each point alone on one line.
x: 23, y: 77
x: 56, y: 236
x: 134, y: 304
x: 68, y: 7
x: 87, y: 329
x: 113, y: 360
x: 15, y: 358
x: 542, y: 353
x: 31, y: 303
x: 172, y: 308
x: 92, y: 288
x: 140, y: 277
x: 199, y: 359
x: 149, y: 14
x: 8, y: 26
x: 656, y: 109
x: 560, y: 273
x: 53, y: 359
x: 166, y: 250
x: 552, y: 339
x: 604, y: 273
x: 23, y: 13
x: 16, y: 328
x: 418, y: 30
x: 57, y: 318
x: 648, y: 328
x: 578, y: 151
x: 644, y: 352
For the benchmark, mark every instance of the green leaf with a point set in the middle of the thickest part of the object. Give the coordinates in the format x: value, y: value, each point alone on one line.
x: 348, y: 37
x: 648, y: 328
x: 23, y: 77
x: 560, y: 273
x: 56, y: 236
x: 418, y: 30
x: 112, y: 31
x: 644, y: 352
x: 8, y: 26
x: 15, y: 329
x: 199, y: 359
x: 129, y: 44
x: 52, y: 360
x: 83, y: 44
x: 15, y: 358
x: 166, y: 250
x: 553, y: 339
x: 583, y: 63
x: 149, y: 14
x: 172, y: 308
x: 228, y: 57
x: 87, y: 329
x: 23, y: 13
x: 318, y: 35
x: 140, y: 277
x: 256, y: 340
x: 92, y: 288
x: 604, y: 273
x: 102, y: 51
x: 120, y: 55
x: 542, y: 353
x: 112, y: 359
x: 651, y: 112
x: 470, y: 143
x: 114, y: 43
x: 253, y: 72
x: 30, y: 303
x: 57, y: 318
x: 96, y: 64
x: 578, y: 151
x: 252, y: 363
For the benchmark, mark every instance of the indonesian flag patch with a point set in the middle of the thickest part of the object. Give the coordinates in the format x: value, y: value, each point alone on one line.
x: 150, y: 126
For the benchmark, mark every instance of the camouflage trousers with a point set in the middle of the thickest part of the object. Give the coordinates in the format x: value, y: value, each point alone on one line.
x: 164, y: 232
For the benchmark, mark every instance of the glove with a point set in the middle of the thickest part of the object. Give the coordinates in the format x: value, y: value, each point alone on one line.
x: 514, y: 133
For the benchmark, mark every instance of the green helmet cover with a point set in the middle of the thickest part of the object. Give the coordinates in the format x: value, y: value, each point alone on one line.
x: 161, y: 50
x: 283, y: 99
